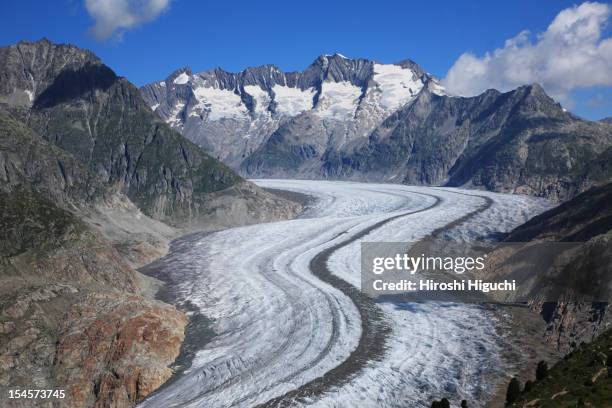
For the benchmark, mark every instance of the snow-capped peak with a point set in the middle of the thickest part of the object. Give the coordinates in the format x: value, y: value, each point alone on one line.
x: 336, y: 54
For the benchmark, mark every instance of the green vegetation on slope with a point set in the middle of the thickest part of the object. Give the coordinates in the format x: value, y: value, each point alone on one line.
x: 582, y: 379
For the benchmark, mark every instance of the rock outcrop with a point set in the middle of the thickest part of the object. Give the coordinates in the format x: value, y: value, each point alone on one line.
x: 73, y: 313
x: 102, y: 349
x: 114, y: 350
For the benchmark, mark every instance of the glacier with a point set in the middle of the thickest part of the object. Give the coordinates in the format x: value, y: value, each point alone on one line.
x: 277, y: 327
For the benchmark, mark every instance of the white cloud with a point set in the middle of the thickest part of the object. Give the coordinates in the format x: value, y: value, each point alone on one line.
x: 570, y: 54
x: 114, y: 17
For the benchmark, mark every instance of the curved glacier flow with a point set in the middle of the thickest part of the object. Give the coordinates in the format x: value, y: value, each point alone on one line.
x: 278, y: 327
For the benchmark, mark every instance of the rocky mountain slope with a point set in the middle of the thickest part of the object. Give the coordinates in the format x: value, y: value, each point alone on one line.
x: 56, y: 264
x: 87, y: 175
x: 587, y: 219
x: 357, y: 119
x: 72, y: 99
x: 520, y: 141
x: 27, y: 159
x: 72, y: 316
x: 572, y: 287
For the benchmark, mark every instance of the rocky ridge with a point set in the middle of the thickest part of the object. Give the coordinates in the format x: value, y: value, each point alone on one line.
x: 356, y: 119
x: 586, y: 219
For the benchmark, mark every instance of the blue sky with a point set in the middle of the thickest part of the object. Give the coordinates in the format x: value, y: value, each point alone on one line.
x: 234, y: 35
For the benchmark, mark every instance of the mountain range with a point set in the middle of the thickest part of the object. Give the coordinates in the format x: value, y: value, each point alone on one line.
x: 357, y: 119
x: 233, y: 115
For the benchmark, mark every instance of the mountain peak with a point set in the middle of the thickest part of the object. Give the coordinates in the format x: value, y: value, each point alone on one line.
x: 43, y: 40
x: 180, y: 76
x: 185, y: 69
x: 65, y: 48
x: 539, y: 99
x: 335, y: 55
x: 326, y: 60
x: 408, y: 63
x: 534, y: 89
x: 30, y: 67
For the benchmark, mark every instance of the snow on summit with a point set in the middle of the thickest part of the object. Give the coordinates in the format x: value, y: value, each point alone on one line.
x: 331, y: 98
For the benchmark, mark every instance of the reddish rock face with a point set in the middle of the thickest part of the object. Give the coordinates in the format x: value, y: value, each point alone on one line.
x: 117, y: 349
x: 104, y: 349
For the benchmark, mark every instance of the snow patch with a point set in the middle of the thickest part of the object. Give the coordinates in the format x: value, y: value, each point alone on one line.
x: 182, y: 79
x: 30, y: 94
x: 398, y: 85
x: 436, y: 88
x: 220, y: 103
x: 154, y: 107
x: 338, y: 100
x: 292, y: 101
x: 261, y: 97
x: 174, y: 120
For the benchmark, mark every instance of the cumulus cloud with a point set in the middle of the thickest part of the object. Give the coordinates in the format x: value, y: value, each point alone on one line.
x: 570, y: 54
x: 114, y: 17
